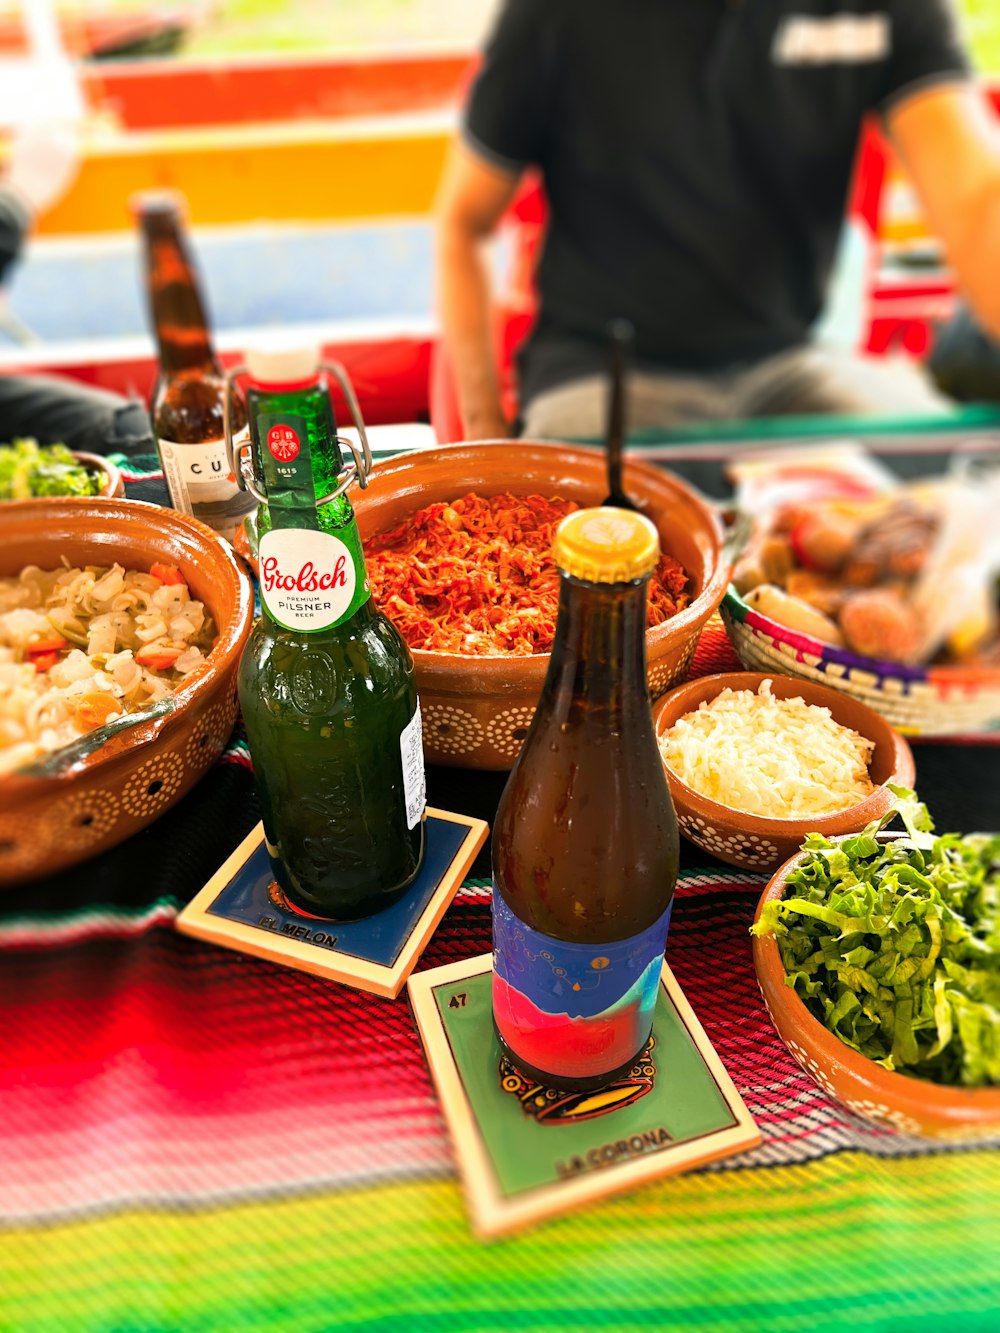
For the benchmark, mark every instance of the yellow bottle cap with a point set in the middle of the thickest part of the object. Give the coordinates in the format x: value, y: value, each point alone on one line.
x: 606, y: 545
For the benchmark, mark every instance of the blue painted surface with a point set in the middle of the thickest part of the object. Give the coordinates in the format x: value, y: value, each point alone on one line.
x: 265, y: 275
x: 376, y: 939
x: 252, y: 278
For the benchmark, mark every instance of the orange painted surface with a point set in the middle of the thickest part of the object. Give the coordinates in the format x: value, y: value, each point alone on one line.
x: 157, y: 94
x: 302, y: 173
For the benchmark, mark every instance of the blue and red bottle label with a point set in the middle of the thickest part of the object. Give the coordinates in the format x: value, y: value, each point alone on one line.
x: 574, y: 1010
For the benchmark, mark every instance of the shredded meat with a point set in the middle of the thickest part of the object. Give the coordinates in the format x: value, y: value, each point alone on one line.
x: 477, y: 576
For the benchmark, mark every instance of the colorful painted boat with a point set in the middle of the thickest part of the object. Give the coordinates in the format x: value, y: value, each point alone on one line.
x: 333, y: 140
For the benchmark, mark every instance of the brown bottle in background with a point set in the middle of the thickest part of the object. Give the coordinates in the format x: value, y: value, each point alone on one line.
x: 187, y: 402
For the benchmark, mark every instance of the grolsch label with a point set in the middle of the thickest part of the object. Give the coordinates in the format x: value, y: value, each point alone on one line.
x: 309, y: 579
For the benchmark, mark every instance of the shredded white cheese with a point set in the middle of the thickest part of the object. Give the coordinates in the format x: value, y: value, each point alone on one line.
x: 781, y: 758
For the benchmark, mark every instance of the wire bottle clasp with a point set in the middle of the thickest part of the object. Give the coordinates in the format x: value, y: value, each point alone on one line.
x: 240, y: 455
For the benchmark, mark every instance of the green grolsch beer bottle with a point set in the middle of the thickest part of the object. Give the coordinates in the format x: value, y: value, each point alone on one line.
x: 326, y: 682
x: 585, y: 843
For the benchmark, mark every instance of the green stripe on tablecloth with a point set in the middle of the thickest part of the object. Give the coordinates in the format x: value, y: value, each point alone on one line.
x: 847, y: 1243
x: 965, y: 417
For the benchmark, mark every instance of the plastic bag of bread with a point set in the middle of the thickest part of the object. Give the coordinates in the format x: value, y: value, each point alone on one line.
x: 955, y: 594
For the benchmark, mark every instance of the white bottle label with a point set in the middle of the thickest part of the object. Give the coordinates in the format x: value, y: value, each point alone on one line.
x: 307, y: 578
x: 200, y: 483
x: 411, y: 746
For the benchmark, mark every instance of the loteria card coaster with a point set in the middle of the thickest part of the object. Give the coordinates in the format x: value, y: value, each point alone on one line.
x: 525, y: 1152
x: 241, y: 907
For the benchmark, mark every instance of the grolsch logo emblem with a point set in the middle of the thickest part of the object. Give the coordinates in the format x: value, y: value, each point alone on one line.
x: 283, y: 443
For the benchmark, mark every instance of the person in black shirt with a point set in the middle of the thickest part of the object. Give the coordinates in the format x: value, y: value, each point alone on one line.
x: 696, y: 157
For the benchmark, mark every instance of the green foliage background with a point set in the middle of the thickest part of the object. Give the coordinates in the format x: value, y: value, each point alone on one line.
x: 242, y: 27
x: 238, y: 26
x: 982, y: 25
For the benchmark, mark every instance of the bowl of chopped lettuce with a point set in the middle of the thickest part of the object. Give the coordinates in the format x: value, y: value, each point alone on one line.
x: 32, y: 471
x: 878, y: 957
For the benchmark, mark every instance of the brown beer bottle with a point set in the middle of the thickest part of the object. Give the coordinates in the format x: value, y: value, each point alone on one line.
x: 187, y: 402
x: 585, y: 843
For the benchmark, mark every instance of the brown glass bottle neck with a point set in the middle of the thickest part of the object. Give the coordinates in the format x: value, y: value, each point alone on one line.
x: 180, y: 322
x: 599, y: 649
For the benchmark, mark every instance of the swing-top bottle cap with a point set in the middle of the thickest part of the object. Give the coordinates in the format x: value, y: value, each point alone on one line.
x: 281, y: 364
x: 606, y: 545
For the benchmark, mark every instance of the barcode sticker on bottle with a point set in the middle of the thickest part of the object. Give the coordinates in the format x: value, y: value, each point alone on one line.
x: 411, y: 747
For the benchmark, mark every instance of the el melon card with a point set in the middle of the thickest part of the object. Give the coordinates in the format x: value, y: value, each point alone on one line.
x: 241, y: 907
x: 526, y: 1152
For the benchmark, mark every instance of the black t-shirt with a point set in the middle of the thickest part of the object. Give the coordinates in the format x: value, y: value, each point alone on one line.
x: 696, y: 156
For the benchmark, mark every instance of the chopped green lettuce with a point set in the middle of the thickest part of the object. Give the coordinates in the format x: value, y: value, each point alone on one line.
x: 28, y: 471
x: 894, y: 945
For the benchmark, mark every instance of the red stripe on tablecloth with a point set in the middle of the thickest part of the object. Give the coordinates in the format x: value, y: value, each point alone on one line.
x: 155, y: 1068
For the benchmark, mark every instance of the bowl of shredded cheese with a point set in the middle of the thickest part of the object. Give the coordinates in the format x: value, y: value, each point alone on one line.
x: 756, y: 761
x: 458, y: 547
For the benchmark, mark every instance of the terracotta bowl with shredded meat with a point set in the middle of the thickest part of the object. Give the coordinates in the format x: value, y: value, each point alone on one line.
x: 457, y: 541
x: 83, y: 793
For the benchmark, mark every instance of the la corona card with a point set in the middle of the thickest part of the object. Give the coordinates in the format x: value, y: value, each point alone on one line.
x: 526, y: 1152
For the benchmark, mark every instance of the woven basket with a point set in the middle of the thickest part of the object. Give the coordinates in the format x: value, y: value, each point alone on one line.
x: 920, y: 701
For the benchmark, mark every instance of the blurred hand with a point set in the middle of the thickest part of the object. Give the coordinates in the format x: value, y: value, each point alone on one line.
x: 488, y: 425
x: 43, y: 163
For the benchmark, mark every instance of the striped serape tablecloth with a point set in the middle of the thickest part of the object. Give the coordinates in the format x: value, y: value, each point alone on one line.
x: 194, y: 1139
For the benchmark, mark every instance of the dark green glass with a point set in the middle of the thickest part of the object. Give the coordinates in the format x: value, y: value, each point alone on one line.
x: 325, y: 708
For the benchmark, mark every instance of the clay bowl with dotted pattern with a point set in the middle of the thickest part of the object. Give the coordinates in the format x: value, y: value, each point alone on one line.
x: 74, y: 806
x: 755, y: 842
x: 912, y: 1105
x: 476, y: 710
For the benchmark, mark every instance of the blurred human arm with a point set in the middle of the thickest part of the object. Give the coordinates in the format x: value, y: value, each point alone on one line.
x: 949, y: 143
x: 472, y: 198
x: 40, y: 166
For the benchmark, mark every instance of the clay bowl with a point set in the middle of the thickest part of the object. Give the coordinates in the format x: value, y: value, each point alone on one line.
x: 113, y: 484
x: 752, y: 841
x: 73, y: 810
x: 476, y: 710
x: 912, y: 1105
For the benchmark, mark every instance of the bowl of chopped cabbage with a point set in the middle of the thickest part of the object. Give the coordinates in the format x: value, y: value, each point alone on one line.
x: 121, y: 629
x: 878, y: 957
x: 755, y: 762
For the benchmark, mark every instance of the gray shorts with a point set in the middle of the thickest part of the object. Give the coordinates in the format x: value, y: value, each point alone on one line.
x: 805, y: 380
